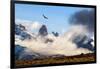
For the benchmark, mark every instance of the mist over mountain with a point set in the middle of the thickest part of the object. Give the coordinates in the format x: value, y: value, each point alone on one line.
x: 29, y: 45
x: 20, y: 30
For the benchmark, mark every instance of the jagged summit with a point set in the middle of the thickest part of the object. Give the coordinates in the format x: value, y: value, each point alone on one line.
x: 43, y: 30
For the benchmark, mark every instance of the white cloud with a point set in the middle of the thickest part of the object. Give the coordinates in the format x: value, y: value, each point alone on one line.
x: 30, y: 25
x: 61, y: 45
x: 35, y: 25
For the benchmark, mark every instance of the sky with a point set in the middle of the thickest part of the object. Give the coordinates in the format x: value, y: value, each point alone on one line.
x: 58, y: 16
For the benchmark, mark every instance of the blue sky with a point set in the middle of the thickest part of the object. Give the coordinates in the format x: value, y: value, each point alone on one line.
x: 58, y: 16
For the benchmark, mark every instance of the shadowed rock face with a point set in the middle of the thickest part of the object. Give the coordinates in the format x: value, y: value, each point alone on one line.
x: 18, y: 50
x: 84, y: 42
x: 43, y: 31
x: 23, y: 53
x: 20, y: 30
x: 55, y: 34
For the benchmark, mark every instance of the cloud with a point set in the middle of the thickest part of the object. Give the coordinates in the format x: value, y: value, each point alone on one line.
x: 35, y: 25
x: 84, y: 17
x: 30, y: 25
x: 63, y: 45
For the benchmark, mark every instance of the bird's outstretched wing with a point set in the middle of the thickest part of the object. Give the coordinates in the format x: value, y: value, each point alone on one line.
x: 45, y: 16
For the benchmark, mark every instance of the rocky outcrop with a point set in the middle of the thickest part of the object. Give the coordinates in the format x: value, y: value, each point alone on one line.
x: 21, y: 31
x: 43, y: 31
x: 55, y: 34
x: 23, y: 53
x: 84, y: 42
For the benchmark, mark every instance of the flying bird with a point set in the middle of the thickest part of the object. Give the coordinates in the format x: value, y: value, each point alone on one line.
x: 45, y: 16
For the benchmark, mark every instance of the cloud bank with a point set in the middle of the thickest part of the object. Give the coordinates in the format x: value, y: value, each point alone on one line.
x: 63, y: 44
x: 30, y: 25
x: 84, y: 17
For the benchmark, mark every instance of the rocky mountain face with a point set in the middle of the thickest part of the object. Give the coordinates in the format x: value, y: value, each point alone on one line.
x: 84, y: 42
x: 20, y: 30
x: 23, y: 53
x: 43, y: 31
x: 55, y: 34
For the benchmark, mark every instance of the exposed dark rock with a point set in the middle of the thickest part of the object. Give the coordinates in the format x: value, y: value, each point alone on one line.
x: 22, y: 27
x: 55, y: 34
x: 82, y: 54
x: 20, y: 30
x: 80, y: 42
x: 23, y: 53
x: 18, y: 50
x: 43, y: 31
x: 48, y: 40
